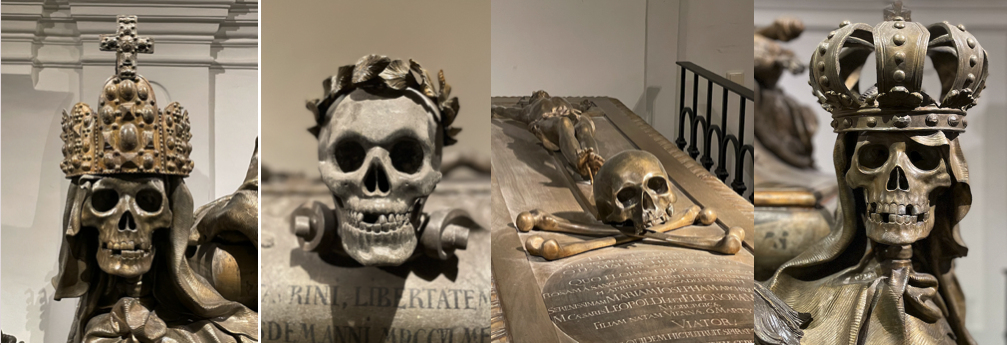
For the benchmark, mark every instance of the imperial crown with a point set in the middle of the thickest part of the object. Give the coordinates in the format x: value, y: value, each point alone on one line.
x: 128, y: 134
x: 898, y: 102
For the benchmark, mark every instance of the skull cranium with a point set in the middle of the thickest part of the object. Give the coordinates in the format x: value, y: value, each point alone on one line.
x: 633, y: 186
x: 126, y: 211
x: 380, y: 157
x: 898, y: 174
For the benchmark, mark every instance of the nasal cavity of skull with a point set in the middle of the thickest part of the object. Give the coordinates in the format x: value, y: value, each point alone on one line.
x: 897, y: 180
x: 127, y: 222
x: 104, y: 200
x: 628, y: 196
x: 376, y: 180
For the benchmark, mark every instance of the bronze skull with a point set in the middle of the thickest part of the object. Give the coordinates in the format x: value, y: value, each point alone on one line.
x: 633, y: 186
x: 380, y: 159
x: 898, y: 174
x: 126, y: 211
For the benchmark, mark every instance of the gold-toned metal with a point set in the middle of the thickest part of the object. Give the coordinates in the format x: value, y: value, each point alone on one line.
x: 561, y: 126
x: 786, y: 198
x: 545, y: 300
x: 551, y: 249
x: 885, y: 273
x: 128, y: 134
x: 145, y: 266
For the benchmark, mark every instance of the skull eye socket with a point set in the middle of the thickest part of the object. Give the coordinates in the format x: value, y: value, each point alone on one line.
x: 104, y: 200
x: 407, y: 156
x: 149, y: 200
x: 873, y: 155
x: 658, y: 185
x: 349, y: 155
x: 628, y: 196
x: 923, y: 157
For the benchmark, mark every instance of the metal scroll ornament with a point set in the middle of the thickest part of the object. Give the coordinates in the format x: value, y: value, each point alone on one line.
x: 129, y: 218
x: 885, y: 273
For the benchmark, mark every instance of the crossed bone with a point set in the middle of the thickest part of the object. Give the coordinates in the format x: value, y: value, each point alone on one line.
x: 551, y: 249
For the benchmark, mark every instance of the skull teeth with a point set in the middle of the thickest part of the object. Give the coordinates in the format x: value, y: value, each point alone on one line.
x: 127, y: 249
x: 652, y: 218
x: 376, y: 222
x: 897, y: 213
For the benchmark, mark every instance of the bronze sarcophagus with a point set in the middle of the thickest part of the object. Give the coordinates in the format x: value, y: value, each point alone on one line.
x: 603, y: 231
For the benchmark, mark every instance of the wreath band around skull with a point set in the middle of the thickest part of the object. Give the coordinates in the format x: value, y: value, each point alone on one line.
x: 377, y: 74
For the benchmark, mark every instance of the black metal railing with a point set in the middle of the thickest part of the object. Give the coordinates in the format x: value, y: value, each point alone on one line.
x: 744, y: 95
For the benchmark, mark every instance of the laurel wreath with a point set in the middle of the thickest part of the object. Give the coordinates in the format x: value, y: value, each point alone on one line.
x: 378, y: 72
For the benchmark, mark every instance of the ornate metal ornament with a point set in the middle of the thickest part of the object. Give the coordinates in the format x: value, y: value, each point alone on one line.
x: 381, y: 129
x: 885, y: 273
x: 129, y: 221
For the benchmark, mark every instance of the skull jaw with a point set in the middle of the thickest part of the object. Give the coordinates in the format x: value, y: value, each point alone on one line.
x: 644, y: 218
x: 895, y: 234
x: 129, y: 265
x: 379, y: 249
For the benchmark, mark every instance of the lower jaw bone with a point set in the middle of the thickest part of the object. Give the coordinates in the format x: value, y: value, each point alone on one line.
x: 384, y: 248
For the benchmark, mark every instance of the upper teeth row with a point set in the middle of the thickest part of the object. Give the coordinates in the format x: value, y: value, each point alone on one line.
x: 384, y: 223
x: 126, y: 245
x: 898, y: 209
x: 130, y: 254
x: 655, y: 217
x: 384, y: 218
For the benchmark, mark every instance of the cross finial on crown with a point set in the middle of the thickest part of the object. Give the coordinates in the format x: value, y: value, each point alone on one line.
x: 126, y: 45
x: 897, y: 9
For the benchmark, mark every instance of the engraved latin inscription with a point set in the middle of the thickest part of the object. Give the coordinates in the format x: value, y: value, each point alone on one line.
x: 652, y: 296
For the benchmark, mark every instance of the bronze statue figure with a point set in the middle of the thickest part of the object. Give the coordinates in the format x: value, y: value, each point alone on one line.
x: 129, y: 219
x: 560, y: 126
x: 885, y: 274
x: 381, y: 130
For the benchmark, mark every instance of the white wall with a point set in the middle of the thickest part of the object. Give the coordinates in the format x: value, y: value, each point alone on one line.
x: 206, y: 57
x: 569, y: 48
x: 622, y: 49
x: 981, y: 273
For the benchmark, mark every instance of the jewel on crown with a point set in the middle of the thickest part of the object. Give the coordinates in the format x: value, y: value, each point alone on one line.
x: 898, y: 102
x: 128, y: 134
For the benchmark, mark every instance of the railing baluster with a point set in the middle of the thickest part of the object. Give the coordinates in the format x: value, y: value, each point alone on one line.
x: 737, y: 142
x: 706, y: 160
x: 721, y: 171
x: 693, y: 148
x: 680, y: 142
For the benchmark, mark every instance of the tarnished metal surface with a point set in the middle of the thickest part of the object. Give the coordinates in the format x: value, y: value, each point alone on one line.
x: 312, y: 298
x: 527, y: 177
x: 783, y: 233
x: 146, y: 266
x: 650, y: 295
x: 885, y: 273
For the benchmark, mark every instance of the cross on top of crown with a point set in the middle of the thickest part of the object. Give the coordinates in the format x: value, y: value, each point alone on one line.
x: 126, y: 45
x: 897, y: 9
